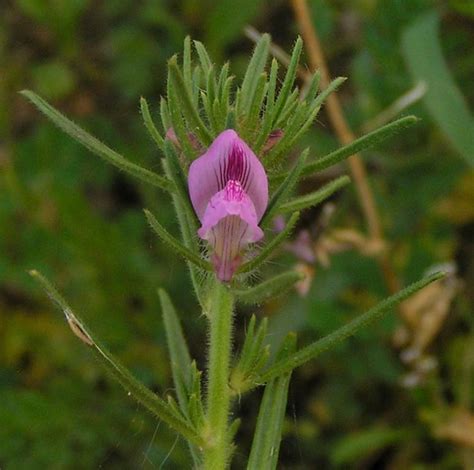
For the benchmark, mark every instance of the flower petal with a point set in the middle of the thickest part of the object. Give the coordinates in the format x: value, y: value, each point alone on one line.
x: 229, y: 224
x: 228, y: 158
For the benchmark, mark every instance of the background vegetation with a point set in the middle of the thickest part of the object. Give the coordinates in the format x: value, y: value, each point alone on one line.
x: 397, y: 396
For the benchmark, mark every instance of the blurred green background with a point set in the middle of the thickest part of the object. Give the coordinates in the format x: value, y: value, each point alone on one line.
x: 397, y: 396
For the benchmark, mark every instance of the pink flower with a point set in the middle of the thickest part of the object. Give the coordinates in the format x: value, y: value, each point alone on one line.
x: 228, y: 187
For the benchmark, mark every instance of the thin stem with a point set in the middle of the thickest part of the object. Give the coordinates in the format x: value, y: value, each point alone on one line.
x: 336, y: 116
x: 344, y: 134
x: 218, y: 448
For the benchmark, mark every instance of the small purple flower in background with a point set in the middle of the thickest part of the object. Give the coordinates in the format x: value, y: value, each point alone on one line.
x: 228, y: 187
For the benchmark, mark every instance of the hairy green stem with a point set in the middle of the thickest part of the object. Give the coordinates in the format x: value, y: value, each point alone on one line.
x: 218, y: 449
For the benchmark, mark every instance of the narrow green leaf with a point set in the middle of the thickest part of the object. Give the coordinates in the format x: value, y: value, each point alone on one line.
x: 314, y: 198
x: 186, y: 253
x: 362, y: 143
x: 204, y: 58
x: 178, y: 122
x: 143, y: 395
x: 253, y: 74
x: 187, y: 63
x: 313, y: 87
x: 333, y: 86
x: 209, y: 98
x: 423, y: 54
x: 211, y: 85
x: 251, y: 350
x: 272, y: 87
x: 197, y: 73
x: 288, y: 81
x: 149, y: 124
x: 291, y: 129
x: 301, y: 120
x: 270, y: 247
x: 253, y: 117
x: 184, y: 96
x: 267, y: 437
x: 350, y: 329
x: 273, y: 287
x: 257, y: 349
x: 233, y: 428
x: 95, y: 145
x: 248, y: 342
x: 224, y: 102
x: 288, y: 109
x: 267, y: 122
x: 223, y: 76
x: 164, y: 114
x: 218, y: 121
x: 195, y: 406
x: 180, y: 358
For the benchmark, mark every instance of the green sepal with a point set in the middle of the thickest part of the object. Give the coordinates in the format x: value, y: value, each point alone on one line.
x: 95, y: 145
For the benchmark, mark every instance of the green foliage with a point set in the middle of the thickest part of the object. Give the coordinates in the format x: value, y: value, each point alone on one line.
x: 447, y: 106
x: 80, y: 222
